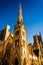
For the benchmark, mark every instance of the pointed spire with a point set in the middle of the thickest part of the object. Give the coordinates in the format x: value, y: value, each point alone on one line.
x: 20, y: 18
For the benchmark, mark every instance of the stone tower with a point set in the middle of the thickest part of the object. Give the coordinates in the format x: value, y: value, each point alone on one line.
x: 19, y: 31
x: 19, y: 41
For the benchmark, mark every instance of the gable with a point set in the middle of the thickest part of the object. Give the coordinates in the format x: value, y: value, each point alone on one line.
x: 9, y: 40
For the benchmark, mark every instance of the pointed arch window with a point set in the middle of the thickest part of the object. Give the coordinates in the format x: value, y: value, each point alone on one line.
x: 16, y: 61
x: 16, y: 42
x: 17, y: 32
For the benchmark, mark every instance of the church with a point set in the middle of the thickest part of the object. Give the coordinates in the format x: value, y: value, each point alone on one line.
x: 14, y: 48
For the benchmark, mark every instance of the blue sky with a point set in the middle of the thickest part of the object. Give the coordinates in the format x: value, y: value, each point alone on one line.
x: 32, y: 11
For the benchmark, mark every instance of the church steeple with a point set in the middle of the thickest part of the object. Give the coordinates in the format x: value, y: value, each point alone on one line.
x: 20, y: 18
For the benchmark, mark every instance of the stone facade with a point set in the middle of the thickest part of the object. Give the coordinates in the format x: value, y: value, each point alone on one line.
x: 14, y: 48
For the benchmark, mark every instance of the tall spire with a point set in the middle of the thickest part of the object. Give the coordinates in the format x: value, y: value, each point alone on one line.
x: 20, y: 18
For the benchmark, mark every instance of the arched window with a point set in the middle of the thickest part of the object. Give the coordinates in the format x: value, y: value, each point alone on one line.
x: 17, y: 32
x: 16, y: 61
x: 16, y: 42
x: 24, y: 63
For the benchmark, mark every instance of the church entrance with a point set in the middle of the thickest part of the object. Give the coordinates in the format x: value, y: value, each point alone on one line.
x: 16, y: 61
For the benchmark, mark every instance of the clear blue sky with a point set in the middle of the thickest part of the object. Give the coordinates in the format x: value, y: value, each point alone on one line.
x: 32, y: 11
